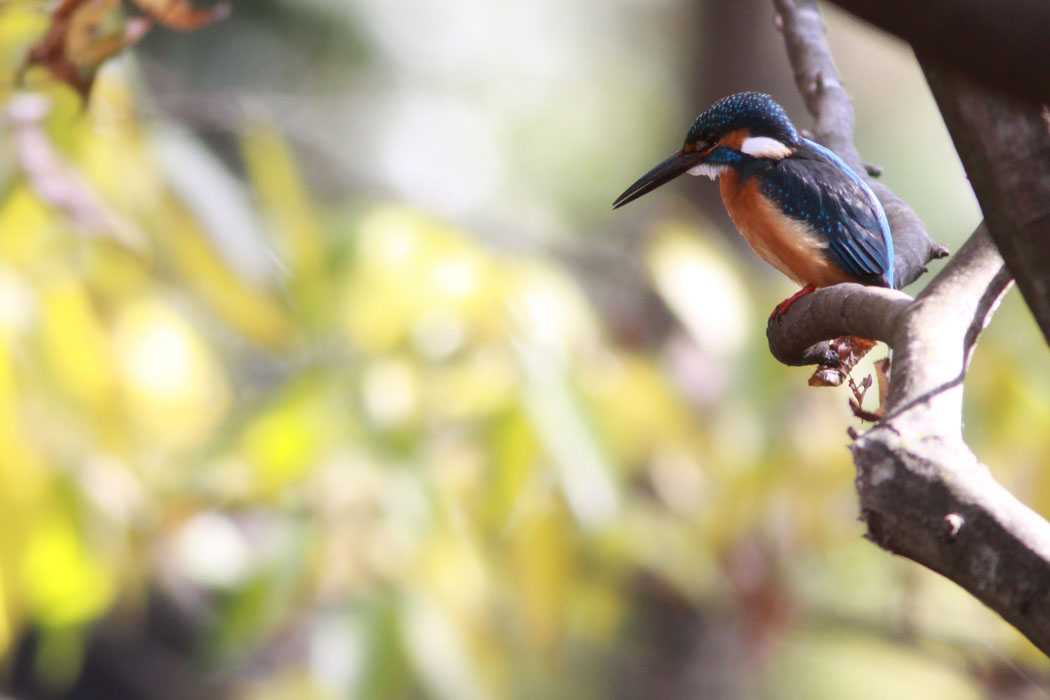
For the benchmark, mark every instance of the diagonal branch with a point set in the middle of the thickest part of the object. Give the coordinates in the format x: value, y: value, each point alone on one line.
x: 922, y: 492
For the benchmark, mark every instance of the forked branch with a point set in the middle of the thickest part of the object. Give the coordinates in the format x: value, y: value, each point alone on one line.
x: 922, y: 492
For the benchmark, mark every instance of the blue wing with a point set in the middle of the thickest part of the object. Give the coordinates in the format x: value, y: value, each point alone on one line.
x: 817, y: 186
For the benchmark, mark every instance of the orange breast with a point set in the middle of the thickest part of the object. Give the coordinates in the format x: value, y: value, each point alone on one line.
x: 785, y: 243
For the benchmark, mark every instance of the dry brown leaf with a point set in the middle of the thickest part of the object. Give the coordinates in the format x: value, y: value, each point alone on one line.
x: 83, y: 34
x: 98, y: 30
x: 181, y: 14
x: 850, y: 350
x: 856, y: 402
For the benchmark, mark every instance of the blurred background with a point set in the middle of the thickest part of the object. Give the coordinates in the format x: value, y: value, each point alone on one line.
x: 327, y: 371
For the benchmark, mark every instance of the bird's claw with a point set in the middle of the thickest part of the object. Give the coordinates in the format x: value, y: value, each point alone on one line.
x: 782, y: 307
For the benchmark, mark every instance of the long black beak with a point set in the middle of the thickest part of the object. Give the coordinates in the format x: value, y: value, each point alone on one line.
x: 663, y: 173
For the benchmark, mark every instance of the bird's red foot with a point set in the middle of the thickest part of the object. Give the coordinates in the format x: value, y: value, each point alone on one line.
x: 783, y: 306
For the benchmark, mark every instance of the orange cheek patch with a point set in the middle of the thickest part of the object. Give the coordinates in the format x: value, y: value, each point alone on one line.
x: 734, y: 139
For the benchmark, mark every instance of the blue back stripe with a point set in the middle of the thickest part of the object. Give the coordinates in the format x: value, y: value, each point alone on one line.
x: 884, y: 224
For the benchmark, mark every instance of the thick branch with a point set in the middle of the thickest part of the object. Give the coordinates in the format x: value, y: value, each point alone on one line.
x: 1005, y: 146
x: 935, y: 336
x: 1001, y: 44
x: 922, y: 492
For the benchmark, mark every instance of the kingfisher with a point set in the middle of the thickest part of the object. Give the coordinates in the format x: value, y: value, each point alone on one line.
x: 796, y: 203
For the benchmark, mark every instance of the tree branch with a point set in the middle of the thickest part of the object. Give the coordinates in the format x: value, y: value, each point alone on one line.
x: 993, y: 115
x: 1002, y: 45
x: 845, y: 309
x: 1005, y: 146
x: 922, y: 492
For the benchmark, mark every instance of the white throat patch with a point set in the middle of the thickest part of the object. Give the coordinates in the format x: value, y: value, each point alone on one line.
x: 765, y: 147
x: 711, y: 171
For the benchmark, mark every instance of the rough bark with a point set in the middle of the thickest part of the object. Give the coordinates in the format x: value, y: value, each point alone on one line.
x: 922, y: 492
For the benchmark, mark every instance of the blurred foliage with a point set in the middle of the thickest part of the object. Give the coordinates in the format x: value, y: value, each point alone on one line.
x: 369, y: 455
x: 83, y: 34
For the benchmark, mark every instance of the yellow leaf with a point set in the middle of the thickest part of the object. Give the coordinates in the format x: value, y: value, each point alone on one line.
x: 285, y: 441
x: 27, y: 222
x: 175, y: 391
x: 75, y: 345
x: 542, y: 568
x: 273, y: 172
x: 64, y: 583
x: 251, y: 310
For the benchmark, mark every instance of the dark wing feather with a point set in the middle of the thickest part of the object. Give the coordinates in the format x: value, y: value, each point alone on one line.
x: 815, y: 186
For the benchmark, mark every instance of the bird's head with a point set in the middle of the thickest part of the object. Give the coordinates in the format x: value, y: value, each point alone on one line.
x: 731, y: 132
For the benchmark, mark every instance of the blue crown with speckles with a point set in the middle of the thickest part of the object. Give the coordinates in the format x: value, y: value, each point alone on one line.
x: 756, y: 111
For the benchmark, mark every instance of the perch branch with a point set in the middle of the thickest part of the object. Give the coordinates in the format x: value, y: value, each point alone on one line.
x: 845, y: 309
